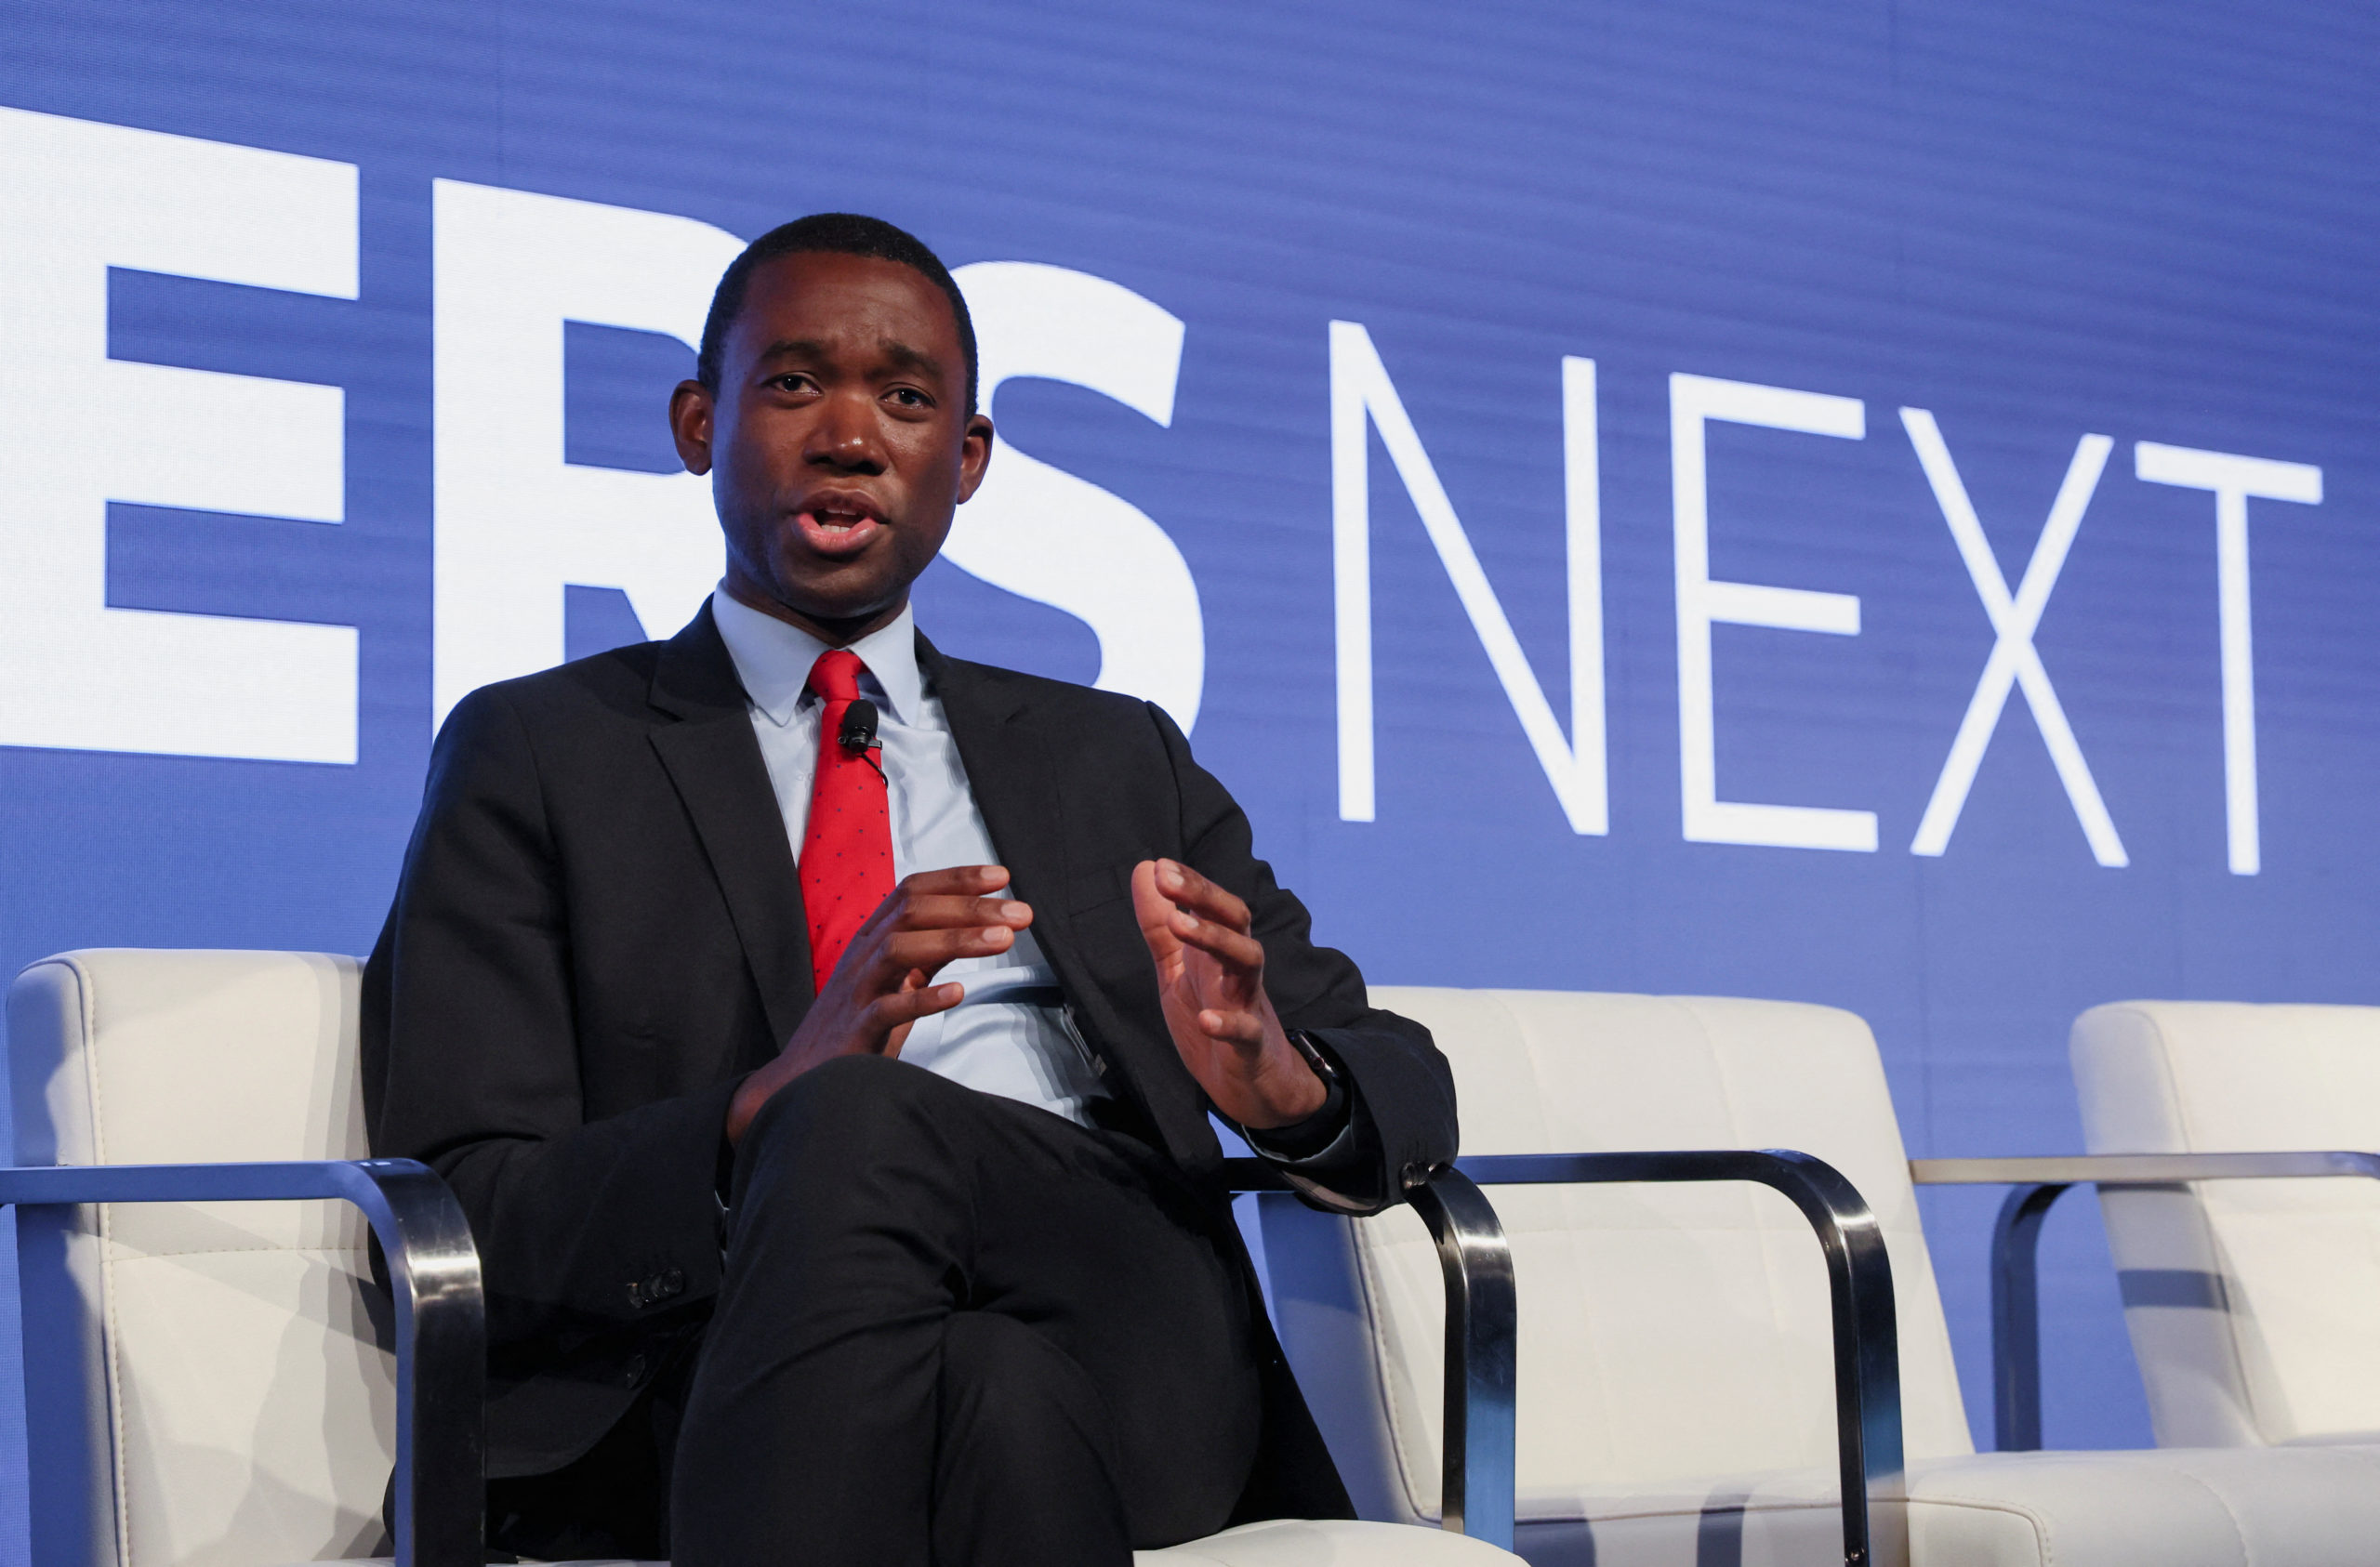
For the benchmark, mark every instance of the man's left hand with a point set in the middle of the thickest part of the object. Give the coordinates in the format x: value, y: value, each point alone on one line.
x: 1211, y: 977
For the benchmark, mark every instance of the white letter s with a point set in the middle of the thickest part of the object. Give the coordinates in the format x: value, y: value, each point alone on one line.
x: 1048, y: 536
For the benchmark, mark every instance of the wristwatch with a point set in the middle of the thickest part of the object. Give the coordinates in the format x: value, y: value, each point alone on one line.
x: 1319, y: 1130
x: 1305, y: 1045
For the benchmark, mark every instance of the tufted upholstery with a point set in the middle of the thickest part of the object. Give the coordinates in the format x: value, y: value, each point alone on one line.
x: 2253, y: 1305
x: 207, y: 1387
x: 1281, y: 1543
x: 1676, y: 1406
x: 185, y: 1364
x: 205, y: 1382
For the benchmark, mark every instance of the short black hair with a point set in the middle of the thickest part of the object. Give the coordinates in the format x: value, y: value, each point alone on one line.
x: 839, y: 233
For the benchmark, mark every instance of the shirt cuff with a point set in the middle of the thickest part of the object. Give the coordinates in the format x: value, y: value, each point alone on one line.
x: 1321, y: 1140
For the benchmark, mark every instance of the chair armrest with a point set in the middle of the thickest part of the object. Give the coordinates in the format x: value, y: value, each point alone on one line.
x: 2139, y: 1169
x: 1476, y: 1482
x: 1859, y: 1280
x: 2015, y: 1240
x: 441, y: 1316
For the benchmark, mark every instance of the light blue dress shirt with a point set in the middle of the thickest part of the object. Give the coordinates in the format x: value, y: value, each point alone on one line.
x: 1011, y: 1036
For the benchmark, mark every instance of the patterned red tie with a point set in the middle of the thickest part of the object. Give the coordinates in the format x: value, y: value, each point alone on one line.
x: 847, y: 847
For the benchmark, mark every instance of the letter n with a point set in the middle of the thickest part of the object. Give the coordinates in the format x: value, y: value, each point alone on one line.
x: 1361, y: 393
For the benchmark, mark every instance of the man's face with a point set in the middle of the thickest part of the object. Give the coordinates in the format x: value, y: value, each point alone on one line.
x: 838, y: 441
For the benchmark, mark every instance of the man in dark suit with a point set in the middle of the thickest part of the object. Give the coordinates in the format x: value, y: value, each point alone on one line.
x: 866, y: 1188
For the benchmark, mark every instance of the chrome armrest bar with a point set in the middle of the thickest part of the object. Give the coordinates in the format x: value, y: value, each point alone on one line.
x: 2034, y: 1185
x: 441, y: 1317
x: 1482, y: 1328
x: 1859, y: 1281
x: 1482, y: 1356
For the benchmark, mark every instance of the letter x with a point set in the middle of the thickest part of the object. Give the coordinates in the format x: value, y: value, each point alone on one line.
x: 2013, y: 661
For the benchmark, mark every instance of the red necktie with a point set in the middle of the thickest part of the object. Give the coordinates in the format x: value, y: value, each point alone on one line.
x: 847, y: 847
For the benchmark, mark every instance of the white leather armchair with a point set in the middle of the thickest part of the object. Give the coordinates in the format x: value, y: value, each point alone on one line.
x: 219, y: 1384
x: 1679, y: 1375
x: 2254, y: 1304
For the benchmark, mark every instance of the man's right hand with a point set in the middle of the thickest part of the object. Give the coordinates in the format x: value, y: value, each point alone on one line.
x: 879, y: 986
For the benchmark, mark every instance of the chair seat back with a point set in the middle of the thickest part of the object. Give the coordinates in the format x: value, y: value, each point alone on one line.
x: 1667, y: 1334
x: 204, y: 1382
x: 210, y: 1387
x: 2251, y: 1303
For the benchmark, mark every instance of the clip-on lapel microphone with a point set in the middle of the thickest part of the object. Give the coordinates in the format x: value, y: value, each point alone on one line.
x: 858, y: 734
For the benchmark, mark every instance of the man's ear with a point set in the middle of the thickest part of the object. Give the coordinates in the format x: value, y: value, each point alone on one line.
x: 974, y: 455
x: 690, y: 412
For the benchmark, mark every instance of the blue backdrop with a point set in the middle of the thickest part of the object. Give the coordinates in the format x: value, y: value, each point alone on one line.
x: 2036, y: 222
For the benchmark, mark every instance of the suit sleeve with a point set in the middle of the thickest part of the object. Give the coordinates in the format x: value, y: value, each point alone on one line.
x: 471, y: 1060
x: 1400, y: 1089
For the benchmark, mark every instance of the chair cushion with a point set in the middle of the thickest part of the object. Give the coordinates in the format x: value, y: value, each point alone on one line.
x: 1666, y: 1333
x: 1280, y: 1543
x: 2170, y: 1508
x: 2314, y: 1507
x: 230, y: 1348
x: 1301, y: 1542
x: 2249, y: 1301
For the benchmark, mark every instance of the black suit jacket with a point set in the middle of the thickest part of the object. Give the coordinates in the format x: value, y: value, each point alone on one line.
x: 599, y: 932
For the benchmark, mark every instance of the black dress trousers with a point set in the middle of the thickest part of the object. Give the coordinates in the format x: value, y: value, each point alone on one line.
x: 960, y: 1331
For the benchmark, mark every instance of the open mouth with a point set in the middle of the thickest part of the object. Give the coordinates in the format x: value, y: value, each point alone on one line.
x: 838, y: 526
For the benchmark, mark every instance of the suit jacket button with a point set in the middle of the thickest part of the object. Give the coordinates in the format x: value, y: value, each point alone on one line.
x: 633, y: 1372
x: 1416, y: 1176
x: 669, y: 1281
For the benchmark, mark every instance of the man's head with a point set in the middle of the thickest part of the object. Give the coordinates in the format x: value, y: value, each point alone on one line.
x: 834, y: 407
x: 835, y: 233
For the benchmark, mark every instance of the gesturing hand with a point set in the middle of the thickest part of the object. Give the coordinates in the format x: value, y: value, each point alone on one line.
x: 1211, y: 977
x: 879, y: 986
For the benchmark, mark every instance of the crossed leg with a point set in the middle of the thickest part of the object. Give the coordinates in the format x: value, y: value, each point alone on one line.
x: 957, y: 1331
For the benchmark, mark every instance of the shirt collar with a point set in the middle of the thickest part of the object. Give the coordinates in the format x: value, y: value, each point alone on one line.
x: 773, y: 659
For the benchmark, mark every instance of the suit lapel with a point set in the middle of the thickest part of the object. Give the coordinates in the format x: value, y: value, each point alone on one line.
x: 1009, y: 770
x: 714, y: 761
x: 1011, y: 754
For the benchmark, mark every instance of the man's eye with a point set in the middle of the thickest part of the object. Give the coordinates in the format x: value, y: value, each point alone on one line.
x: 910, y: 397
x: 792, y: 383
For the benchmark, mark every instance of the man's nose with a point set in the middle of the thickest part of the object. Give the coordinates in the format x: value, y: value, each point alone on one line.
x: 845, y: 436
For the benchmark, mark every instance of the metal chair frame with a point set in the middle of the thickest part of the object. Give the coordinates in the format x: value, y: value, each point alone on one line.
x: 1482, y: 1337
x: 441, y: 1314
x: 2015, y: 1240
x: 440, y: 1323
x: 1860, y: 1282
x: 441, y: 1317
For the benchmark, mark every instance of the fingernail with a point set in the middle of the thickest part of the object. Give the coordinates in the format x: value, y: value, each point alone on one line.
x: 1013, y: 910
